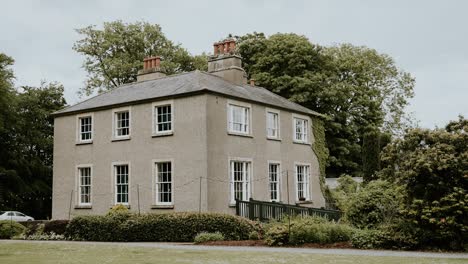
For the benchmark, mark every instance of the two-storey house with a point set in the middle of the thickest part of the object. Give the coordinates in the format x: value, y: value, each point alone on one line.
x: 187, y: 142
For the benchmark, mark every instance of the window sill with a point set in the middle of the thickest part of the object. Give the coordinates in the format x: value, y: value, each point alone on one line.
x: 126, y: 205
x: 274, y: 139
x: 301, y: 143
x: 239, y: 134
x: 163, y: 134
x: 83, y: 207
x: 84, y: 142
x: 160, y: 206
x: 120, y: 139
x: 232, y: 205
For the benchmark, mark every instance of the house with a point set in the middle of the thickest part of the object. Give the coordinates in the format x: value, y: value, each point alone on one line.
x: 186, y: 142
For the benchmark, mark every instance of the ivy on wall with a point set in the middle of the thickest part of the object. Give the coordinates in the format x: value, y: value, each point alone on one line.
x: 320, y: 148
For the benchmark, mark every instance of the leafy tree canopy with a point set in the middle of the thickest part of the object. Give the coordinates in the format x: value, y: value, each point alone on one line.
x: 432, y: 167
x: 115, y: 53
x: 359, y: 89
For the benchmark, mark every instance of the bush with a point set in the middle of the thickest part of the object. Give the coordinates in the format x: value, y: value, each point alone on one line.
x: 277, y: 235
x: 376, y: 203
x: 9, y: 229
x: 58, y: 227
x: 254, y: 235
x: 308, y: 230
x: 205, y: 237
x: 395, y: 236
x: 171, y: 227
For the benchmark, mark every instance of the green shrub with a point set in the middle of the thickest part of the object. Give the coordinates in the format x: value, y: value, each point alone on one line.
x: 9, y: 229
x: 277, y: 235
x: 205, y: 237
x: 376, y: 203
x: 395, y: 236
x: 118, y: 209
x: 254, y: 235
x: 307, y: 230
x: 56, y: 226
x: 171, y: 227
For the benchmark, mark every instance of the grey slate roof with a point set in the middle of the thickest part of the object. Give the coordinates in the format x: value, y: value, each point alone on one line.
x: 182, y: 85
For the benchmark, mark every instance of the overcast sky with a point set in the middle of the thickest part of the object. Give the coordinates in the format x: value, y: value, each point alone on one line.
x: 429, y: 39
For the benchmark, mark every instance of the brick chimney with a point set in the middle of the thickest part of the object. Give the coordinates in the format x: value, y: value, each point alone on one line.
x: 151, y: 69
x: 226, y: 63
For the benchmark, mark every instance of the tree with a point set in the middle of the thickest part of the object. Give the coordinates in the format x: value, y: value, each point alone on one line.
x: 115, y: 53
x: 432, y: 168
x: 370, y: 155
x: 7, y: 118
x: 26, y: 143
x: 359, y: 89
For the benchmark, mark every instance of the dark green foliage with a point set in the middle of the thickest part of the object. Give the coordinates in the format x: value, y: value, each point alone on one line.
x: 320, y: 147
x: 386, y: 237
x: 431, y: 166
x: 9, y: 229
x: 370, y: 155
x: 307, y: 230
x: 26, y: 143
x: 206, y: 237
x: 375, y: 203
x: 358, y: 88
x: 59, y: 227
x: 171, y: 227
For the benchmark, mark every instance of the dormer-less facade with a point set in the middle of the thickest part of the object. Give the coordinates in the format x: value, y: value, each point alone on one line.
x: 188, y: 142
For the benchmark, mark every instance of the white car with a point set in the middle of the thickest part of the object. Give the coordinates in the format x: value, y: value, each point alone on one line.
x: 15, y: 216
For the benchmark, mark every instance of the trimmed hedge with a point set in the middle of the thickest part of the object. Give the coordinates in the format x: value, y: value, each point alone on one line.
x: 207, y: 237
x: 58, y: 227
x: 308, y: 230
x: 9, y: 229
x: 171, y: 227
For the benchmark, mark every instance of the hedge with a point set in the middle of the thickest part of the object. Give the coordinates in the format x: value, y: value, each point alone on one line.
x: 171, y: 227
x: 56, y: 226
x: 9, y: 229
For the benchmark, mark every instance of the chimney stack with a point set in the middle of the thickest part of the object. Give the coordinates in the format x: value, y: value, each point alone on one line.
x: 151, y: 69
x: 252, y: 82
x: 226, y: 63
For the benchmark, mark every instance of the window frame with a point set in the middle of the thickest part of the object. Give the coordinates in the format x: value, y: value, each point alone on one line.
x: 278, y: 181
x: 116, y: 111
x: 278, y: 128
x: 230, y: 129
x: 246, y: 183
x: 154, y: 182
x: 154, y: 121
x: 78, y: 128
x: 78, y: 184
x: 114, y: 181
x: 307, y: 126
x: 308, y: 196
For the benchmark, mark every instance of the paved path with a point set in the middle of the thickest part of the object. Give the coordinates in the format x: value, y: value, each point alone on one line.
x: 190, y: 246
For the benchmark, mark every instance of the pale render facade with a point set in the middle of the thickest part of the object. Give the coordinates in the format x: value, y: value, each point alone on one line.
x: 188, y: 142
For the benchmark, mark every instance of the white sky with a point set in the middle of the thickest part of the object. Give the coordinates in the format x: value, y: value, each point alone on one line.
x: 429, y: 39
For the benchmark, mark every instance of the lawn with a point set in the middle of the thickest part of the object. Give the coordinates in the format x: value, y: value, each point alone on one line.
x: 79, y: 253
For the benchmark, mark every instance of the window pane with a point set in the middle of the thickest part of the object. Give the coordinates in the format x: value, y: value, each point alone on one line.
x: 85, y: 128
x: 239, y: 119
x: 163, y: 118
x: 121, y: 177
x: 240, y: 179
x: 164, y: 182
x: 274, y: 181
x: 85, y: 185
x: 123, y: 123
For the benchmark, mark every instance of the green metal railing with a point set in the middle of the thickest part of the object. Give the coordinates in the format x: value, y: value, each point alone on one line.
x: 265, y: 211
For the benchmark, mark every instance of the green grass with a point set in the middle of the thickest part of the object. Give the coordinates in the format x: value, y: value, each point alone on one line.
x: 79, y: 253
